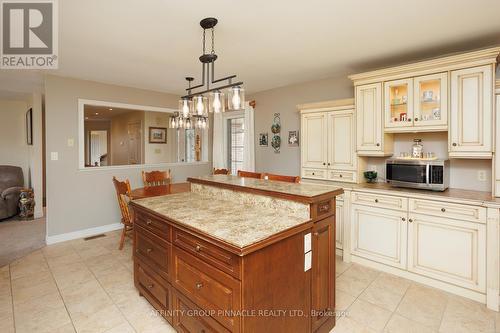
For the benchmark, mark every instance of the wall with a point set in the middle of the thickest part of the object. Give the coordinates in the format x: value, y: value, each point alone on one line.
x: 76, y: 199
x: 283, y: 101
x: 36, y: 153
x: 13, y: 147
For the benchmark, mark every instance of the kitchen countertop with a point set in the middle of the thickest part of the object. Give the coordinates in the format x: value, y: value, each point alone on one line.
x: 477, y: 197
x: 292, y: 191
x: 240, y: 224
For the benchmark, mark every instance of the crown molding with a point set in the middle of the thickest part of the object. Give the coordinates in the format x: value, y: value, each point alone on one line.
x: 450, y: 62
x: 339, y: 104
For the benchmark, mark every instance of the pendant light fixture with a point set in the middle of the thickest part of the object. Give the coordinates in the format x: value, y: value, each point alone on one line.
x: 194, y: 107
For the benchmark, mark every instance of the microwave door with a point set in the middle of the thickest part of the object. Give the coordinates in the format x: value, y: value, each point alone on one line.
x: 407, y: 173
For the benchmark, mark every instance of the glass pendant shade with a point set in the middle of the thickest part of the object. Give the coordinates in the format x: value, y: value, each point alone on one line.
x: 180, y: 123
x: 185, y: 105
x: 236, y: 98
x: 204, y: 123
x: 187, y: 124
x: 200, y: 105
x: 216, y: 102
x: 172, y: 122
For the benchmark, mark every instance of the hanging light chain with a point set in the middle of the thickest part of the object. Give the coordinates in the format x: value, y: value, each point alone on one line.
x: 204, y: 51
x: 213, y: 41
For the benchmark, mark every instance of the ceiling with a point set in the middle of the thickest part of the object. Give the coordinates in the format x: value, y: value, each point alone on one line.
x: 155, y: 44
x: 94, y: 112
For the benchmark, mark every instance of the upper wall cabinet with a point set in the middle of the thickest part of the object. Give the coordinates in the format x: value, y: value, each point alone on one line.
x: 314, y: 140
x: 370, y: 138
x: 471, y: 112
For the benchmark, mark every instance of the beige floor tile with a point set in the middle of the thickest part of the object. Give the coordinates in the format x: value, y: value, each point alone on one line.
x: 58, y: 250
x: 463, y: 315
x: 399, y: 324
x: 343, y: 300
x: 44, y: 314
x: 7, y: 324
x: 33, y: 286
x: 392, y: 283
x: 101, y: 321
x: 369, y: 315
x: 347, y: 325
x: 381, y: 297
x: 362, y: 273
x: 86, y: 299
x: 90, y: 251
x: 123, y: 328
x: 351, y: 285
x: 341, y: 266
x: 69, y: 258
x: 104, y: 264
x: 423, y: 304
x: 5, y: 288
x: 69, y: 276
x: 68, y: 328
x: 32, y: 264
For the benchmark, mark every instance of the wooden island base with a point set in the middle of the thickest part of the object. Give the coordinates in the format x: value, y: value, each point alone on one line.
x: 201, y: 283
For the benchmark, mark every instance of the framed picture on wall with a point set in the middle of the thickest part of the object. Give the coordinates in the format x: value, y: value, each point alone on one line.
x: 293, y: 138
x: 157, y: 135
x: 263, y: 139
x: 29, y: 127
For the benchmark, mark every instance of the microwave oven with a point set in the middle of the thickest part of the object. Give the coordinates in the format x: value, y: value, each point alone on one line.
x: 418, y: 173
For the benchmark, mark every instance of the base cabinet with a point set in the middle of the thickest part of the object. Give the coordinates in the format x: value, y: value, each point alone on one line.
x: 379, y: 234
x: 339, y: 225
x: 448, y: 250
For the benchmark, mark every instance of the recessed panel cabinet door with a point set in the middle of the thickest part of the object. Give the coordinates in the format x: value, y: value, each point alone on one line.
x: 369, y: 117
x: 470, y: 132
x: 452, y: 251
x: 314, y: 140
x: 339, y: 224
x: 341, y: 140
x: 379, y: 235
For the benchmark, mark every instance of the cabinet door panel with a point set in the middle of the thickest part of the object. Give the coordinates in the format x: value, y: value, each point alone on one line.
x: 314, y: 140
x: 431, y: 101
x: 471, y: 111
x: 369, y: 117
x: 398, y: 106
x: 448, y: 250
x: 379, y: 235
x: 339, y: 224
x: 341, y: 154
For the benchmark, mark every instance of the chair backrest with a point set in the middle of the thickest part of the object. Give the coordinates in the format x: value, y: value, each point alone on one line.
x: 281, y: 178
x: 10, y: 176
x: 122, y: 193
x: 249, y: 174
x: 221, y: 171
x: 156, y: 178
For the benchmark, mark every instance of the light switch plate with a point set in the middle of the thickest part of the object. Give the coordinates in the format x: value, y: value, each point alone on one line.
x: 307, y: 261
x: 307, y: 242
x: 71, y: 142
x: 54, y: 156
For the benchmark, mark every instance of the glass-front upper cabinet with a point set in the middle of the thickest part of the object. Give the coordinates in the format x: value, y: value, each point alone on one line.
x: 398, y: 103
x: 430, y: 100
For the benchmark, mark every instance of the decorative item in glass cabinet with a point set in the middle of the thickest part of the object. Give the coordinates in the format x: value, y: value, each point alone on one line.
x: 417, y: 150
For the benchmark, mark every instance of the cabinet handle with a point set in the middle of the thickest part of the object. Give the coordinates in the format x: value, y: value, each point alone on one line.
x: 328, y: 163
x: 198, y: 248
x: 376, y: 200
x: 151, y: 286
x: 148, y: 222
x: 199, y: 285
x: 454, y: 144
x: 324, y: 163
x: 378, y: 144
x: 149, y: 250
x: 443, y: 210
x: 403, y: 219
x: 416, y: 119
x: 410, y: 220
x: 408, y: 120
x: 340, y: 176
x: 313, y: 173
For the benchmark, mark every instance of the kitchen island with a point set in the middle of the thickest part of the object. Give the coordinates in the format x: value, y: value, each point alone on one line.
x: 239, y: 255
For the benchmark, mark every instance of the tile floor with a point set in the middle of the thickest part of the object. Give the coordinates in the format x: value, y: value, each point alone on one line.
x: 87, y: 286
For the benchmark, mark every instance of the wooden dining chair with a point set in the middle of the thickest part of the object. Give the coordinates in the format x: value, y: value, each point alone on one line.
x: 123, y: 195
x: 281, y: 178
x: 156, y: 178
x: 221, y: 171
x: 249, y: 174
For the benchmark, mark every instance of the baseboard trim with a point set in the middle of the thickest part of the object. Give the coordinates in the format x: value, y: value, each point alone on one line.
x: 82, y: 233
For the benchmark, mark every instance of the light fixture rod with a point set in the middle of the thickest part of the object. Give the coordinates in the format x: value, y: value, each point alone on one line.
x: 214, y: 89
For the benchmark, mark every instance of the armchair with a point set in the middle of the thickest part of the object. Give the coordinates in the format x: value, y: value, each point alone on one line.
x: 11, y: 184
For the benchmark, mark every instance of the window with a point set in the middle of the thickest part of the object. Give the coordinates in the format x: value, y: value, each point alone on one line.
x: 235, y: 135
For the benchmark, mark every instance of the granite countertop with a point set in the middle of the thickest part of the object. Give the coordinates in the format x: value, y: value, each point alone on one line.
x: 478, y: 197
x: 292, y: 189
x: 240, y: 224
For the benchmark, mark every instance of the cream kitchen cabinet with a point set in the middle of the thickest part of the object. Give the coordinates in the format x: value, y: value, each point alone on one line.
x: 379, y: 235
x: 496, y: 187
x: 471, y: 113
x: 339, y: 224
x: 370, y: 137
x: 341, y: 145
x: 452, y: 251
x: 314, y: 139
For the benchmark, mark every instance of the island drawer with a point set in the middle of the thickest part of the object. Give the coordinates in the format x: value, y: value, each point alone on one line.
x: 152, y: 286
x: 153, y: 224
x: 314, y: 173
x: 448, y: 210
x: 190, y: 318
x: 380, y: 200
x: 153, y: 250
x: 207, y: 286
x: 212, y: 254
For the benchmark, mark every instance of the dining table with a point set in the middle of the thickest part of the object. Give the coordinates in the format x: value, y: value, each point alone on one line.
x: 155, y: 191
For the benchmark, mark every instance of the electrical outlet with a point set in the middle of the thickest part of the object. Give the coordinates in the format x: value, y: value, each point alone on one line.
x: 481, y: 175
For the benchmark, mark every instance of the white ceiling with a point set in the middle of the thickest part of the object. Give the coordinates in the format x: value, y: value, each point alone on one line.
x: 154, y: 44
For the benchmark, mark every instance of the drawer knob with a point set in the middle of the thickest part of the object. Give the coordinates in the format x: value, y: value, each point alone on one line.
x: 443, y: 210
x: 403, y: 219
x: 328, y: 163
x: 148, y: 222
x: 454, y: 144
x: 376, y: 200
x: 316, y: 233
x: 151, y: 286
x: 340, y: 176
x: 410, y: 220
x: 199, y: 285
x: 416, y: 119
x: 149, y: 250
x: 324, y: 163
x: 313, y: 173
x: 198, y: 248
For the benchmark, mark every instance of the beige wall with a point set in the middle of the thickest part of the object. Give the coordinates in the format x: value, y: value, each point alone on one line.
x: 13, y: 147
x: 78, y: 200
x: 284, y: 100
